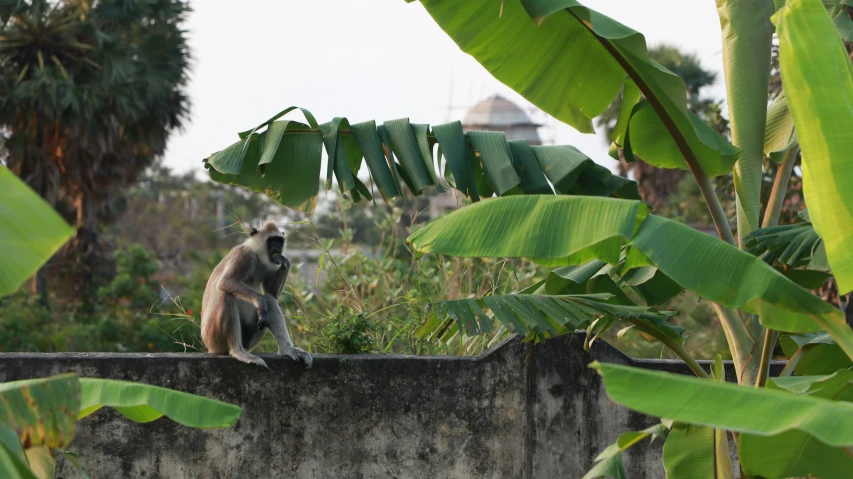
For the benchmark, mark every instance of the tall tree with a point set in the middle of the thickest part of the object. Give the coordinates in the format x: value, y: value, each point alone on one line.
x: 89, y: 93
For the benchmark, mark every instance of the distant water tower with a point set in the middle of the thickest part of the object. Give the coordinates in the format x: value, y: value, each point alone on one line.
x: 496, y: 113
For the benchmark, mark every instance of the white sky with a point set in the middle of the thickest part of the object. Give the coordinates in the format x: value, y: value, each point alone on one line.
x: 373, y: 59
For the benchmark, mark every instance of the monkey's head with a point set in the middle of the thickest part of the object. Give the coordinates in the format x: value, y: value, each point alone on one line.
x: 268, y: 242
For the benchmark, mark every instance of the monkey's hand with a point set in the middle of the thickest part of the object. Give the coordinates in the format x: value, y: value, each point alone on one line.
x: 298, y: 355
x: 282, y: 261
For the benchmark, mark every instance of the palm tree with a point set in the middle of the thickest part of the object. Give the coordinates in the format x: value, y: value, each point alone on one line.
x: 89, y: 93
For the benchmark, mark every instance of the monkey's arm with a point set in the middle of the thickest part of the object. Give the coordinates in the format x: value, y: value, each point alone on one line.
x: 274, y: 283
x: 242, y: 264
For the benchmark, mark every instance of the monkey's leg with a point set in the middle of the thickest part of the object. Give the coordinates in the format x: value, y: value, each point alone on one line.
x: 235, y: 337
x: 252, y: 333
x: 275, y: 321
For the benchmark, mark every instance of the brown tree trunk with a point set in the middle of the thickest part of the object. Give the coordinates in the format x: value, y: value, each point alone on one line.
x: 39, y: 287
x: 83, y: 252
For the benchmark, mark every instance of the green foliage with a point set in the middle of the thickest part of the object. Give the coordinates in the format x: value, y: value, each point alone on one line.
x: 599, y: 227
x: 516, y: 51
x: 797, y: 453
x: 121, y: 321
x: 133, y: 285
x: 348, y: 333
x: 383, y: 291
x: 169, y: 245
x: 26, y: 325
x: 551, y: 234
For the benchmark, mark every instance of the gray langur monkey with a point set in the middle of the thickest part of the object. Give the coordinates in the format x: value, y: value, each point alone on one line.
x: 240, y: 303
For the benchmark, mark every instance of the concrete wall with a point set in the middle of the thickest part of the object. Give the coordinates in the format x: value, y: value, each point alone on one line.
x: 518, y: 411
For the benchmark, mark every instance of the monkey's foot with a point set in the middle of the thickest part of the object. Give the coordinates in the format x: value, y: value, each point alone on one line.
x: 299, y: 355
x: 247, y: 358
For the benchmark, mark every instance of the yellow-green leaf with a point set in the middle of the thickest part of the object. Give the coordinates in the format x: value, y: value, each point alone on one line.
x: 41, y: 411
x: 818, y: 79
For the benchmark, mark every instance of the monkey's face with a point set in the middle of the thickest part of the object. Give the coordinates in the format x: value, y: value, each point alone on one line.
x: 275, y: 248
x: 268, y: 243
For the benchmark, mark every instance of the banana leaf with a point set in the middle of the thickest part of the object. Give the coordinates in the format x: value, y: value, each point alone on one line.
x: 281, y: 159
x: 145, y: 403
x: 813, y: 354
x: 779, y: 134
x: 560, y: 230
x: 720, y: 405
x: 31, y: 231
x: 532, y: 315
x: 795, y: 245
x: 41, y: 411
x: 609, y: 462
x: 819, y: 87
x: 796, y: 453
x: 747, y: 39
x: 571, y: 61
x: 692, y: 451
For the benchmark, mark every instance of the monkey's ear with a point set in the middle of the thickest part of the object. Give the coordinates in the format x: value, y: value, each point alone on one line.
x: 253, y: 232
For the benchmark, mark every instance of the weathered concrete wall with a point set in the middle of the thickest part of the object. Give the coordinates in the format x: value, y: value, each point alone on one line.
x: 519, y: 411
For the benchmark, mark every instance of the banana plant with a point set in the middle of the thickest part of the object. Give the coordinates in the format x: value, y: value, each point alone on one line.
x: 786, y: 426
x: 614, y: 261
x: 38, y: 416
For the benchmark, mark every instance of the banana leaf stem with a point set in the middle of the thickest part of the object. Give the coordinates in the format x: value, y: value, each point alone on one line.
x: 793, y: 362
x: 780, y: 187
x: 724, y: 230
x: 770, y: 338
x: 740, y: 342
x: 673, y: 346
